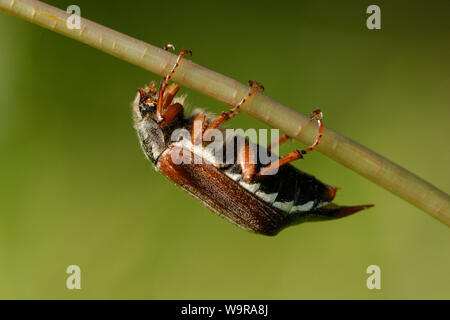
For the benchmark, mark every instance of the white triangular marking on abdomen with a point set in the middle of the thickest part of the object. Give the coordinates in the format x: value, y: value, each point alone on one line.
x: 234, y: 176
x: 284, y: 206
x: 303, y: 207
x: 322, y: 204
x: 252, y: 187
x: 267, y: 197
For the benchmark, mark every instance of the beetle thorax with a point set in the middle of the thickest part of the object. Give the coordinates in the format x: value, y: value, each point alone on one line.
x: 151, y: 138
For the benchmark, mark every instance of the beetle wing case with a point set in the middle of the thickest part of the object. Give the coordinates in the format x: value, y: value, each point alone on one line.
x: 228, y: 199
x: 222, y: 195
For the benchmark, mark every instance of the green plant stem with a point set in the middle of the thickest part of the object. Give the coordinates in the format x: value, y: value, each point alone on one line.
x: 339, y: 148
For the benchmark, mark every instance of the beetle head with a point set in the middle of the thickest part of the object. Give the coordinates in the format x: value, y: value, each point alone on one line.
x: 150, y: 133
x: 144, y: 105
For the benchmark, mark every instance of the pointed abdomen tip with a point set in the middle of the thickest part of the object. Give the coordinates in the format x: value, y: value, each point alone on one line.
x: 345, y: 211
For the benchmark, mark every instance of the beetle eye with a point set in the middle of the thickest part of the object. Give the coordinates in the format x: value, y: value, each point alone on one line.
x: 146, y: 108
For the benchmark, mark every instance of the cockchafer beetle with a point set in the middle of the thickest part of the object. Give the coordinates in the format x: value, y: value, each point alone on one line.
x: 257, y: 197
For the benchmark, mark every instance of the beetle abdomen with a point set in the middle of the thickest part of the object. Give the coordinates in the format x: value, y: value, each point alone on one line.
x: 290, y: 191
x: 248, y: 205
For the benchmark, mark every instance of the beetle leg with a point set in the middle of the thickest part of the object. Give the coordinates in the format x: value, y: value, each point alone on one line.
x: 318, y: 116
x: 169, y: 94
x: 171, y: 112
x: 235, y: 110
x: 294, y: 155
x: 246, y: 158
x: 165, y: 82
x: 297, y: 154
x: 198, y: 127
x: 281, y: 140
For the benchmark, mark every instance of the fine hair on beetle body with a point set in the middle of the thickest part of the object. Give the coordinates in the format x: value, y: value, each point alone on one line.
x: 259, y: 194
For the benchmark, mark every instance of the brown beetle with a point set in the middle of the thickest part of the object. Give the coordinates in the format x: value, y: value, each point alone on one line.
x: 263, y: 198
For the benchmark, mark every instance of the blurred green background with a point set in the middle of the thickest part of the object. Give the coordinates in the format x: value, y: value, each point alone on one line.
x: 75, y: 187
